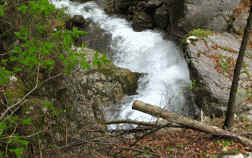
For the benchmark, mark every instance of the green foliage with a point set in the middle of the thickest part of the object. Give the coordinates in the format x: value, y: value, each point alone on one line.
x: 223, y: 143
x: 1, y: 10
x: 223, y: 62
x: 100, y: 61
x: 14, y: 143
x: 201, y: 33
x: 4, y: 75
x: 193, y: 84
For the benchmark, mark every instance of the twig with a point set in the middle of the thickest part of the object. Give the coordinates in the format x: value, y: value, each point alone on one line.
x: 153, y: 131
x: 81, y: 142
x: 28, y: 136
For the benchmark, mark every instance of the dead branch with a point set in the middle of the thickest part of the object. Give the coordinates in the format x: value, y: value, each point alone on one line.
x: 187, y: 122
x: 141, y: 123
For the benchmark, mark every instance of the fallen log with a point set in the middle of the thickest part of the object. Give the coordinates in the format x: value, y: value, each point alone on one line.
x: 187, y: 122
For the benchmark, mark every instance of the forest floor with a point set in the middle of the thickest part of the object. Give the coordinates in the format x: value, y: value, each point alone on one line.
x: 168, y: 142
x: 184, y: 143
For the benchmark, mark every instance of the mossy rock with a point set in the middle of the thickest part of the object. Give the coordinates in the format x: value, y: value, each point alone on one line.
x: 127, y: 78
x: 201, y: 33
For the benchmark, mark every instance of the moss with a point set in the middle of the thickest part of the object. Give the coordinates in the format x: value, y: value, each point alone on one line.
x: 15, y: 91
x: 201, y: 33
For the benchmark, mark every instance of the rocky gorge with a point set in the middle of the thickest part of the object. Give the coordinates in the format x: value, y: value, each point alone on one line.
x: 192, y: 73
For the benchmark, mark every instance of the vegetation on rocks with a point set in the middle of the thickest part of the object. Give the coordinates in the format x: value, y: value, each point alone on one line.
x: 35, y: 47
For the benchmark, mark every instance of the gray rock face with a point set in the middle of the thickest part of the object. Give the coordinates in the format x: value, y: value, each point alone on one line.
x: 161, y: 17
x: 212, y: 14
x: 96, y: 38
x: 212, y: 60
x: 184, y: 14
x: 240, y: 22
x: 123, y: 5
x: 142, y: 21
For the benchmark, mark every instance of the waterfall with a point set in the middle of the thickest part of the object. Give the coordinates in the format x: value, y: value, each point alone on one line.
x: 166, y: 74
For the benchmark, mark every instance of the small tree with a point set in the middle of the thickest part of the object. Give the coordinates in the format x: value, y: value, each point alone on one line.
x: 235, y: 82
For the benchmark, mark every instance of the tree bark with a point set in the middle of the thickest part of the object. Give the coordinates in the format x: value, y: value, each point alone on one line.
x: 235, y: 82
x: 187, y: 122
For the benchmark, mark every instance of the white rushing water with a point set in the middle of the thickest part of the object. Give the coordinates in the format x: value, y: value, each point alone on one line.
x: 145, y: 52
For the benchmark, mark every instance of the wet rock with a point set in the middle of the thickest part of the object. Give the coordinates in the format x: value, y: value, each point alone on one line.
x: 211, y: 60
x: 76, y: 21
x: 153, y: 3
x: 123, y: 5
x: 161, y: 17
x: 96, y: 38
x: 142, y: 21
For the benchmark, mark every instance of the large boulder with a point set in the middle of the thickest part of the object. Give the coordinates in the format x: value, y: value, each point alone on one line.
x: 211, y: 60
x: 88, y: 92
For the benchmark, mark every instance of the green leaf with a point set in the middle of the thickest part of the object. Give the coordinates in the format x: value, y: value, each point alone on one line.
x: 13, y: 119
x: 4, y: 61
x: 4, y: 75
x: 3, y: 125
x: 27, y: 121
x: 49, y: 105
x: 22, y: 9
x: 1, y: 153
x: 1, y: 10
x: 17, y: 69
x: 41, y: 28
x: 18, y: 151
x: 1, y: 132
x: 22, y: 142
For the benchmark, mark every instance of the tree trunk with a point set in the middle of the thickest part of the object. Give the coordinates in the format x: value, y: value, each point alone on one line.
x: 235, y: 82
x: 189, y: 123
